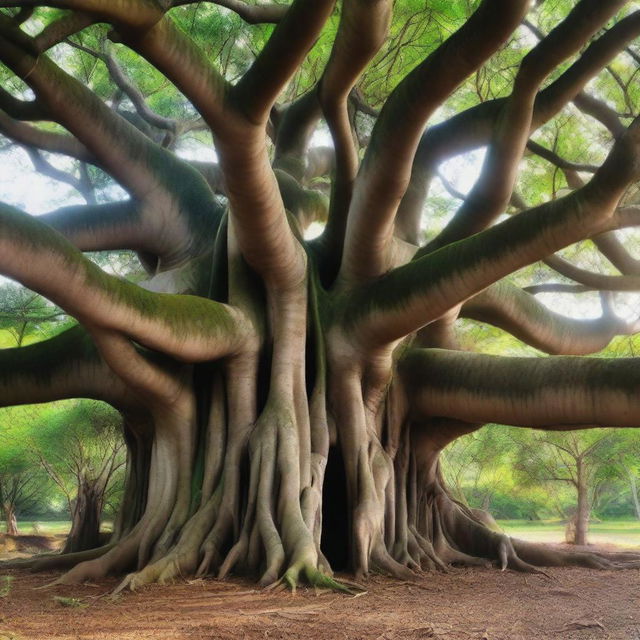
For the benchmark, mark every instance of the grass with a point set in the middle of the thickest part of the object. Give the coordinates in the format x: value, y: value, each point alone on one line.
x: 43, y: 528
x: 48, y: 527
x: 620, y: 532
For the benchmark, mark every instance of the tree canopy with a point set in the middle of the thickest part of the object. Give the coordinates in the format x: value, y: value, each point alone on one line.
x: 457, y: 162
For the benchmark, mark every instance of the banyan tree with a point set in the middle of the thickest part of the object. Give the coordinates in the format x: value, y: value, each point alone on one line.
x: 286, y: 397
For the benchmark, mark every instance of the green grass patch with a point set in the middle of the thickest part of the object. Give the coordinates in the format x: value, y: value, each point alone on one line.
x: 625, y: 533
x: 41, y: 527
x: 49, y: 527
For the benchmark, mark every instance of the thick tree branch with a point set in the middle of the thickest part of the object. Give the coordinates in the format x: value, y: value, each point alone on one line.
x: 188, y: 328
x: 182, y: 203
x: 116, y: 225
x: 250, y: 13
x: 490, y: 194
x: 136, y: 14
x: 385, y: 172
x: 554, y: 392
x: 32, y: 136
x: 519, y: 313
x: 258, y: 89
x: 22, y: 109
x: 66, y: 366
x: 413, y: 295
x: 472, y: 128
x: 61, y: 29
x: 362, y: 31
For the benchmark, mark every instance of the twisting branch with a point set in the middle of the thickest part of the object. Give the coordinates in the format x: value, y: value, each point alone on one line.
x: 415, y: 294
x: 44, y: 167
x: 556, y: 392
x: 610, y: 247
x: 489, y: 196
x: 385, y: 172
x: 520, y: 314
x: 250, y: 13
x: 601, y: 111
x: 257, y: 90
x: 128, y: 88
x: 592, y: 279
x: 190, y: 329
x: 362, y: 31
x: 66, y: 366
x: 143, y: 168
x: 237, y: 118
x: 31, y: 136
x: 131, y: 91
x: 472, y: 128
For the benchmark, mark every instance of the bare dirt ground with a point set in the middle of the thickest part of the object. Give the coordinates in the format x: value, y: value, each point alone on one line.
x: 482, y: 604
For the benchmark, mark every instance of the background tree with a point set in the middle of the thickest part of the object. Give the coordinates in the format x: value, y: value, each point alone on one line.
x: 583, y: 460
x: 271, y: 383
x: 23, y: 487
x: 627, y: 455
x: 25, y: 316
x: 81, y: 449
x: 19, y: 485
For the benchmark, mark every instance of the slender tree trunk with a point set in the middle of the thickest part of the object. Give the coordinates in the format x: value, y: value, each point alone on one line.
x: 634, y: 491
x: 10, y: 519
x: 85, y: 525
x: 582, y: 515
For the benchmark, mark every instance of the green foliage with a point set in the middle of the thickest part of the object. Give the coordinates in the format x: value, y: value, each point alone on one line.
x: 25, y: 316
x: 526, y: 474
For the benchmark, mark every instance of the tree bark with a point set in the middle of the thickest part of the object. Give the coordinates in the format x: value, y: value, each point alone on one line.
x: 10, y: 520
x: 584, y: 508
x: 271, y: 384
x: 633, y: 485
x: 85, y: 520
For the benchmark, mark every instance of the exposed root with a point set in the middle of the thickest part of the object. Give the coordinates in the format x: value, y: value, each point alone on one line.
x: 52, y: 562
x: 542, y: 555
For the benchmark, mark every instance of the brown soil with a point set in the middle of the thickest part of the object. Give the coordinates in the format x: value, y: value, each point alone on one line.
x: 463, y: 604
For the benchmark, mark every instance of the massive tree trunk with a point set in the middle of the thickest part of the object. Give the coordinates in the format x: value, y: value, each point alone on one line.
x: 287, y: 404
